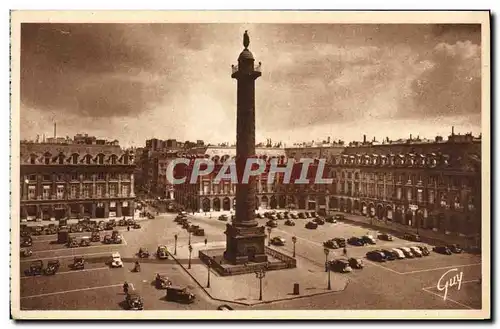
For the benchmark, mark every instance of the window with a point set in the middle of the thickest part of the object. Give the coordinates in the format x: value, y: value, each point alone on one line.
x: 32, y: 178
x: 349, y: 175
x: 101, y: 176
x: 398, y: 193
x: 60, y: 192
x: 113, y: 190
x: 356, y: 175
x: 420, y: 196
x: 87, y: 190
x: 100, y: 190
x: 88, y: 159
x: 60, y: 177
x: 409, y: 194
x: 47, y: 178
x: 61, y: 159
x: 125, y: 190
x: 46, y: 192
x: 432, y: 196
x: 73, y: 191
x: 113, y: 176
x: 47, y: 160
x: 74, y: 158
x: 100, y: 158
x: 113, y: 159
x: 74, y: 177
x: 32, y: 159
x: 31, y: 192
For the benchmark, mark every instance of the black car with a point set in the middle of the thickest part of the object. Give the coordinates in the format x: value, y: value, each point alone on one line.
x: 455, y: 248
x: 340, y: 242
x: 356, y: 263
x: 330, y: 244
x: 319, y: 221
x: 312, y: 225
x: 389, y: 255
x: 412, y: 237
x: 330, y: 219
x: 354, y: 241
x: 302, y: 215
x: 424, y: 250
x: 340, y: 265
x: 368, y: 239
x: 339, y: 217
x: 376, y: 255
x: 385, y: 237
x: 272, y: 223
x: 289, y: 222
x: 442, y: 250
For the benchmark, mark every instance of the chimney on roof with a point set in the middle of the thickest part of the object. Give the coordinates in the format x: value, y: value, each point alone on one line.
x: 364, y: 138
x: 55, y: 125
x: 410, y: 136
x: 328, y: 139
x: 452, y: 130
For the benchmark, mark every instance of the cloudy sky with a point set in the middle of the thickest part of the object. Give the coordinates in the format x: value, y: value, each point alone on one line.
x: 132, y: 82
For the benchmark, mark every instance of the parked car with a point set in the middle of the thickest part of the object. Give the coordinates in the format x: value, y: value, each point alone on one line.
x: 26, y: 241
x: 442, y: 250
x: 85, y: 241
x: 52, y: 267
x: 161, y: 252
x: 308, y: 215
x: 416, y: 251
x: 272, y: 223
x: 162, y: 281
x: 376, y: 255
x: 424, y: 250
x: 339, y: 217
x: 273, y: 217
x: 455, y: 248
x: 280, y: 216
x: 116, y: 260
x: 179, y: 294
x: 368, y: 239
x: 385, y: 237
x: 340, y: 241
x: 330, y: 244
x: 355, y: 241
x: 294, y: 215
x: 340, y: 265
x: 407, y: 251
x: 389, y: 254
x: 330, y: 219
x: 122, y: 222
x: 136, y: 226
x: 36, y: 268
x: 311, y: 225
x: 72, y: 243
x: 26, y: 252
x: 278, y: 241
x: 95, y: 237
x: 289, y: 222
x: 199, y: 232
x: 400, y: 254
x: 134, y: 301
x: 223, y: 218
x: 302, y: 215
x: 143, y: 252
x: 356, y: 263
x: 78, y: 263
x: 313, y: 214
x: 412, y: 237
x: 286, y: 215
x: 319, y: 221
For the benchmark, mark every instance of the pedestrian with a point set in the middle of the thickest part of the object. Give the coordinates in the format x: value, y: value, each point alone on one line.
x: 125, y: 287
x: 128, y: 228
x: 345, y: 251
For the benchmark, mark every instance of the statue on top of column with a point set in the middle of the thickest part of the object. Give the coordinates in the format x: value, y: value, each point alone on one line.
x: 246, y: 39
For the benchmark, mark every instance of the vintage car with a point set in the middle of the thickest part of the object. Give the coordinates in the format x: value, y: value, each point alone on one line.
x: 311, y: 225
x: 179, y: 294
x: 455, y: 248
x: 319, y: 220
x: 51, y: 229
x: 376, y: 256
x: 116, y: 237
x: 385, y: 237
x: 416, y: 251
x: 289, y: 222
x: 330, y: 219
x: 192, y: 228
x: 286, y: 215
x: 355, y: 241
x: 294, y: 215
x: 130, y: 221
x: 161, y: 252
x: 340, y: 241
x: 368, y: 239
x: 339, y: 265
x: 108, y: 226
x: 26, y: 241
x: 330, y: 244
x: 400, y: 254
x: 389, y: 254
x: 78, y: 263
x: 150, y: 216
x: 136, y: 226
x: 36, y: 268
x: 72, y: 242
x: 301, y: 215
x: 107, y: 239
x: 356, y: 263
x: 134, y: 301
x: 407, y: 251
x: 272, y: 223
x: 199, y: 232
x: 95, y: 237
x: 116, y: 260
x: 52, y: 267
x: 313, y: 214
x: 113, y: 222
x: 424, y: 250
x: 307, y: 214
x: 280, y: 216
x: 39, y: 230
x: 122, y: 222
x: 412, y: 237
x: 143, y: 252
x: 162, y: 281
x: 26, y: 252
x: 339, y: 217
x: 85, y: 241
x: 278, y: 241
x: 442, y: 250
x: 223, y: 218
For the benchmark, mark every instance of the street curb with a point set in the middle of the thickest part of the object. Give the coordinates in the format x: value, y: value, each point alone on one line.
x: 258, y: 303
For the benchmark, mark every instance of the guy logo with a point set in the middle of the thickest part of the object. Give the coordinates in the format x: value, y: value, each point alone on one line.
x: 444, y: 284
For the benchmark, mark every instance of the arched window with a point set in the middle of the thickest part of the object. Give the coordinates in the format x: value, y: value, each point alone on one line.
x: 60, y: 158
x: 125, y: 159
x: 113, y: 158
x: 74, y: 158
x: 100, y: 158
x: 88, y: 159
x: 33, y: 158
x: 47, y: 158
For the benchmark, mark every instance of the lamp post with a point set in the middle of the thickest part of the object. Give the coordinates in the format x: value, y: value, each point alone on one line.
x: 294, y: 240
x: 189, y: 237
x: 327, y: 251
x: 260, y: 274
x: 269, y: 230
x: 209, y: 263
x: 175, y: 244
x: 190, y: 251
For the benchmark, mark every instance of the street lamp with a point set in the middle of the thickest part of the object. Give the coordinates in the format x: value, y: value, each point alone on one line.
x: 190, y: 251
x: 209, y: 263
x: 260, y: 274
x: 327, y: 268
x: 294, y: 240
x: 189, y: 239
x: 175, y: 245
x: 269, y: 230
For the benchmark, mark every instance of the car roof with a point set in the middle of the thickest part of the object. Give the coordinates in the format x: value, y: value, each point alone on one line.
x: 115, y: 254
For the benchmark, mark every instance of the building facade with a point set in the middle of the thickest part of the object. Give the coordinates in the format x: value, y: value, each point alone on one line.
x: 75, y: 179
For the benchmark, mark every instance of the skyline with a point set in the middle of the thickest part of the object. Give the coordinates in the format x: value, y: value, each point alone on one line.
x: 126, y: 77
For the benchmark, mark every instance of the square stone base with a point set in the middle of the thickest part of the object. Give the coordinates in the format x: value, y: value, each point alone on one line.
x: 245, y: 244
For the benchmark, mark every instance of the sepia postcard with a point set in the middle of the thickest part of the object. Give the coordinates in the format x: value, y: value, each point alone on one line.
x: 269, y: 164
